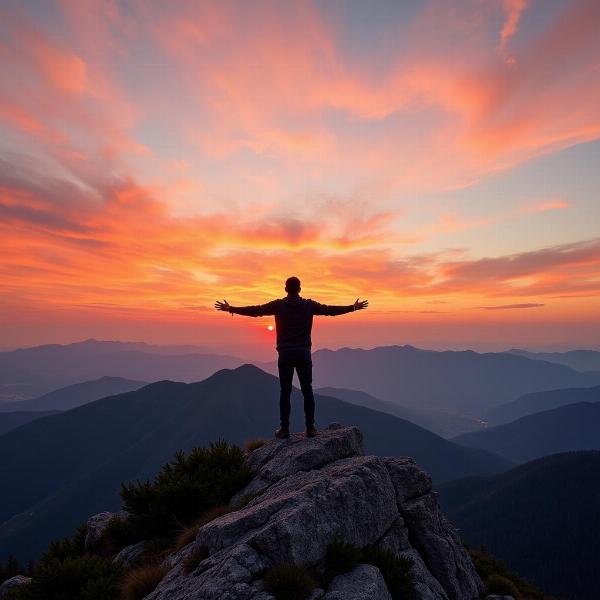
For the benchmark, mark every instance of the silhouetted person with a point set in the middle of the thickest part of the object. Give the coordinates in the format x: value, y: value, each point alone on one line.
x: 293, y: 322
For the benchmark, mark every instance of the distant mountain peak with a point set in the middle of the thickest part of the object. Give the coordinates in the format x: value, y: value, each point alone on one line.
x: 244, y: 371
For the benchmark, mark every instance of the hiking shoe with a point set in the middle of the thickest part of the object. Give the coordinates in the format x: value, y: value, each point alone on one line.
x: 311, y: 431
x: 283, y: 433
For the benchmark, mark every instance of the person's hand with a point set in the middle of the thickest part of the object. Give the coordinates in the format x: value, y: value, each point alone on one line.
x: 360, y: 304
x: 224, y: 306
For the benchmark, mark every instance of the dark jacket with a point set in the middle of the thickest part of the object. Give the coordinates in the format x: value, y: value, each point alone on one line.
x: 293, y: 318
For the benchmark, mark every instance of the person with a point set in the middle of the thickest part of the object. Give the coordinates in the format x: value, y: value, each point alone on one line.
x: 293, y: 323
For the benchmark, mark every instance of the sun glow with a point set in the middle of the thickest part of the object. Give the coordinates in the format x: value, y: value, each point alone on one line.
x: 270, y: 327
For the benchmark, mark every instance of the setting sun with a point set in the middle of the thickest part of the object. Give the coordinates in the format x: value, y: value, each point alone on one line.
x: 270, y: 327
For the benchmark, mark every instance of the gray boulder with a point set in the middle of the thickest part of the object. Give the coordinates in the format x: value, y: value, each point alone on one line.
x: 13, y: 582
x: 365, y: 582
x: 308, y: 493
x: 299, y: 516
x: 96, y: 525
x: 279, y: 458
x: 440, y: 546
x: 129, y: 555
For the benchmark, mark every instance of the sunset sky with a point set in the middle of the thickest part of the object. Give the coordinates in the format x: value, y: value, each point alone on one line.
x: 441, y: 159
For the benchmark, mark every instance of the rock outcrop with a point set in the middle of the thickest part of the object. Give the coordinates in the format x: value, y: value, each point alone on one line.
x: 308, y: 493
x: 97, y: 524
x: 13, y: 582
x: 130, y: 554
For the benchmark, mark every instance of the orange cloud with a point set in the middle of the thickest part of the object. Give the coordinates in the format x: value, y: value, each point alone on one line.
x: 130, y: 250
x: 157, y: 155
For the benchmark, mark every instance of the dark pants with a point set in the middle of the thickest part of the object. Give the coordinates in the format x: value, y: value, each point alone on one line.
x: 299, y: 359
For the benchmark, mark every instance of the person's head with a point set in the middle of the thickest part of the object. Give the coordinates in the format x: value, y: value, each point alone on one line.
x: 292, y: 285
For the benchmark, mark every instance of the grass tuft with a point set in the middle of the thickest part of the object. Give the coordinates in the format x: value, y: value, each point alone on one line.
x: 287, y: 581
x: 341, y: 557
x: 194, y: 559
x: 188, y: 535
x: 140, y: 582
x: 255, y: 444
x: 396, y: 570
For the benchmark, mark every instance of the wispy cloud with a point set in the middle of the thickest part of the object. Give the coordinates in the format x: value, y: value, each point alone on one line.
x: 545, y: 206
x: 511, y: 306
x: 513, y: 10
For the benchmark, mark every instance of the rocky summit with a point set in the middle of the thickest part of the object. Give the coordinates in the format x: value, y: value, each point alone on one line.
x: 308, y: 493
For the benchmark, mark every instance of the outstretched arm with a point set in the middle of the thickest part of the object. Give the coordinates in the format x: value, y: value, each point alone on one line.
x: 248, y: 311
x: 332, y: 311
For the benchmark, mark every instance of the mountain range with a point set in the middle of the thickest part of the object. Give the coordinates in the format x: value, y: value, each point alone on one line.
x: 75, y: 395
x: 31, y: 372
x: 539, y: 401
x: 62, y: 468
x: 541, y: 518
x: 457, y: 388
x: 444, y: 423
x: 563, y: 429
x: 580, y: 360
x: 464, y: 382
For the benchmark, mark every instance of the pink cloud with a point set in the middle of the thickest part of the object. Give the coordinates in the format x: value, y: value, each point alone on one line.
x: 513, y: 10
x: 545, y: 206
x: 264, y: 82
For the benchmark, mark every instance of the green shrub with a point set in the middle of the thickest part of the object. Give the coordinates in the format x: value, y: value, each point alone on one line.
x: 502, y: 586
x: 140, y: 582
x: 118, y: 534
x: 10, y: 568
x: 23, y: 592
x: 101, y: 588
x: 289, y: 582
x: 186, y: 488
x: 67, y: 571
x: 189, y: 487
x: 252, y: 445
x: 194, y: 559
x: 87, y: 577
x: 69, y: 547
